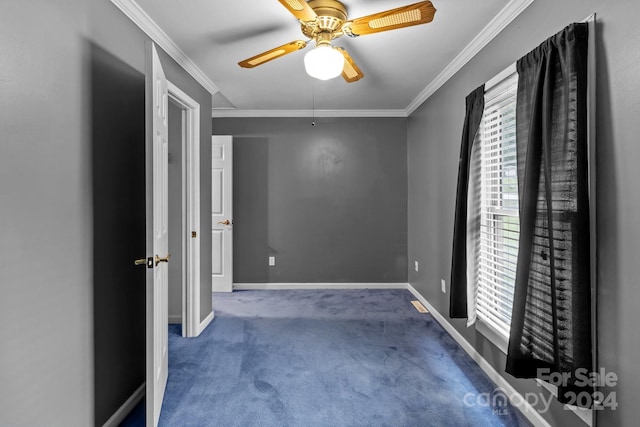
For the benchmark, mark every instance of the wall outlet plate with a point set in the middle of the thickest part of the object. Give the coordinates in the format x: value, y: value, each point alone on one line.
x: 272, y: 261
x: 443, y: 284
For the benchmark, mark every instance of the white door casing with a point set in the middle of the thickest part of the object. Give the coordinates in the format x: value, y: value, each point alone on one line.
x: 222, y: 213
x: 190, y: 211
x: 157, y: 289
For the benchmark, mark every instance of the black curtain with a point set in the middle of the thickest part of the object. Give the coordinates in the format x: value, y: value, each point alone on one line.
x: 551, y: 319
x: 458, y: 288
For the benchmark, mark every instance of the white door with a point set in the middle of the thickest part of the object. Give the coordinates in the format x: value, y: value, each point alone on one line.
x: 222, y: 213
x: 157, y: 310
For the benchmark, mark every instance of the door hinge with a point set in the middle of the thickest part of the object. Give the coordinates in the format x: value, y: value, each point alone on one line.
x: 194, y: 234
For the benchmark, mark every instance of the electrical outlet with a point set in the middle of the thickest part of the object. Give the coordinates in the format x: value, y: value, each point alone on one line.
x: 443, y: 284
x: 415, y: 265
x: 272, y: 261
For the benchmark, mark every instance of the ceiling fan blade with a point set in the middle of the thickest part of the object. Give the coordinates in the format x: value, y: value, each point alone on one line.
x: 274, y: 53
x: 300, y: 9
x: 351, y: 72
x: 406, y: 16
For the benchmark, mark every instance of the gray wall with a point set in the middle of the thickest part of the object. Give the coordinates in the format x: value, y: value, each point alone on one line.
x: 328, y: 201
x: 46, y: 213
x: 46, y: 259
x: 434, y: 133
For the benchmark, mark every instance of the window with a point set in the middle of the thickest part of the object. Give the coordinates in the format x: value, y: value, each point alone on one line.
x: 496, y: 205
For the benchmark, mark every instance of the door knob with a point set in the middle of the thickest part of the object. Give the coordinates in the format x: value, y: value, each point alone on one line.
x: 165, y: 259
x: 225, y: 222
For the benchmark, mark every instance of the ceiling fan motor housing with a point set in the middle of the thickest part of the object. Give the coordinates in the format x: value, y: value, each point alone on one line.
x: 331, y: 16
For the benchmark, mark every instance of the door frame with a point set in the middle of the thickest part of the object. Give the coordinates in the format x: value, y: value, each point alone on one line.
x: 190, y: 211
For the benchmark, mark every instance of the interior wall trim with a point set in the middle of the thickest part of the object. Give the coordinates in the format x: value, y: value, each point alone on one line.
x: 282, y: 286
x: 138, y: 16
x: 175, y: 319
x: 190, y: 185
x: 525, y: 407
x: 222, y: 113
x: 488, y: 33
x: 205, y: 322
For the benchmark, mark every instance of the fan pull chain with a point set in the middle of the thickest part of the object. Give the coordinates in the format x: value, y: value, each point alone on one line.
x: 313, y: 105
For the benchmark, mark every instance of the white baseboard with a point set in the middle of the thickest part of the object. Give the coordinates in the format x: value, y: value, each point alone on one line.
x: 584, y: 414
x: 281, y: 286
x: 205, y: 322
x: 126, y: 407
x: 175, y: 318
x: 521, y: 403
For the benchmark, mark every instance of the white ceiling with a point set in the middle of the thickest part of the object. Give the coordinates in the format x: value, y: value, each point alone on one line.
x: 398, y: 65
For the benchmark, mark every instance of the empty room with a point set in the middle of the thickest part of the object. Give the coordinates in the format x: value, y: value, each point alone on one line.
x: 319, y: 213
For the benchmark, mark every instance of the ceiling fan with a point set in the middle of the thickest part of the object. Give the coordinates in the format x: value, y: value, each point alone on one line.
x: 323, y: 21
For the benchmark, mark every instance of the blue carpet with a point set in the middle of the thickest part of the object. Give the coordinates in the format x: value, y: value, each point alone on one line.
x: 324, y: 358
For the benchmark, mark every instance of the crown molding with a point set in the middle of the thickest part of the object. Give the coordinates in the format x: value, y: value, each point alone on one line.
x: 508, y: 13
x: 218, y: 113
x: 135, y: 13
x: 488, y: 33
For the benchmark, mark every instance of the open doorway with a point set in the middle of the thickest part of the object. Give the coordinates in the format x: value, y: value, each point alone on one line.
x: 184, y: 211
x: 177, y: 138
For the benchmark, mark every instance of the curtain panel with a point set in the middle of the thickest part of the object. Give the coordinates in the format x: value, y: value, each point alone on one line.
x: 458, y: 283
x: 551, y: 319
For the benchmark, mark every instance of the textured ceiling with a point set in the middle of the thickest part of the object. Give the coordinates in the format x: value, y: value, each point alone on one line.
x: 398, y: 65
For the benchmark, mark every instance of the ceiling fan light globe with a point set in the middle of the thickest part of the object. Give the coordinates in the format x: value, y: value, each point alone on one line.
x: 324, y: 62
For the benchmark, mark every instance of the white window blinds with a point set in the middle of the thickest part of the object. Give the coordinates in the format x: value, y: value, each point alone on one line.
x: 497, y: 244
